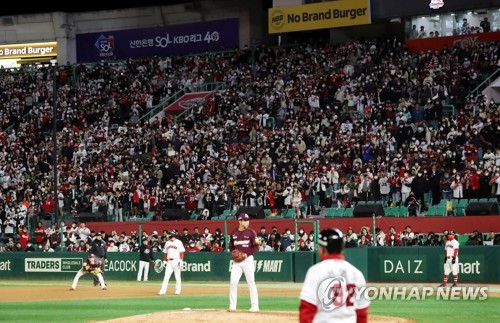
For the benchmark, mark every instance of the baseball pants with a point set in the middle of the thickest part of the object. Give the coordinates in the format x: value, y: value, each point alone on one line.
x: 173, y: 266
x: 143, y: 268
x: 247, y: 267
x: 451, y: 268
x: 82, y: 272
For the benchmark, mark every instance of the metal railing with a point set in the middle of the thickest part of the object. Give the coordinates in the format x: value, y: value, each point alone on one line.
x: 206, y: 87
x: 484, y: 84
x: 211, y: 88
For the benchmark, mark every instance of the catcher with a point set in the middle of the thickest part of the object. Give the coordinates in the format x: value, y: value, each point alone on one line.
x: 93, y: 266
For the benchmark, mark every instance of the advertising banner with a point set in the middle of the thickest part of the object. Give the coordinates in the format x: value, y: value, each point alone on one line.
x: 425, y: 264
x: 477, y: 264
x: 48, y: 49
x: 330, y: 14
x: 462, y: 41
x: 199, y: 37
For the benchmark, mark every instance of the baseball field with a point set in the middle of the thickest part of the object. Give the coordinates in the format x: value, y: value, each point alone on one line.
x: 131, y: 301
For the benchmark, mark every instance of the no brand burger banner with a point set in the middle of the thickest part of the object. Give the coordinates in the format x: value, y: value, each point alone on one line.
x: 319, y: 16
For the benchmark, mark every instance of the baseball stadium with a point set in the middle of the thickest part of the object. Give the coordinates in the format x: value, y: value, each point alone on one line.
x: 242, y: 161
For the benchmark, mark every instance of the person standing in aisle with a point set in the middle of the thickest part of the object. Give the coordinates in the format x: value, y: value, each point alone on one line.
x: 146, y: 258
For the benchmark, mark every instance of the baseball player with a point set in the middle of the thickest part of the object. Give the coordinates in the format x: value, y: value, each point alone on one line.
x: 246, y: 242
x: 329, y: 293
x: 98, y: 249
x: 90, y: 265
x: 145, y: 259
x: 450, y: 260
x: 172, y: 261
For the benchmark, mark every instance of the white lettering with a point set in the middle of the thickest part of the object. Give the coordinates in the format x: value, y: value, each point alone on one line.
x: 388, y: 266
x: 42, y: 265
x: 5, y: 265
x: 199, y: 267
x: 469, y: 268
x: 419, y: 263
x: 121, y: 265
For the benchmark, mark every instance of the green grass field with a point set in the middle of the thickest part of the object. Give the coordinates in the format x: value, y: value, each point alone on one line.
x: 428, y: 310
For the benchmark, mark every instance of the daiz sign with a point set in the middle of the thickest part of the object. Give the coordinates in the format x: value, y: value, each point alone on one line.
x: 330, y: 14
x: 28, y: 50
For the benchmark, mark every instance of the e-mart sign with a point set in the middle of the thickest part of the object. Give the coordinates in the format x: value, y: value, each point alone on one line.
x: 331, y: 14
x: 28, y: 50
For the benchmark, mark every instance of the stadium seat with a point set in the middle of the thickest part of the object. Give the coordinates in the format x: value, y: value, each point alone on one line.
x: 436, y: 211
x: 330, y: 213
x: 339, y: 212
x: 462, y: 239
x: 461, y: 206
x: 391, y: 211
x: 290, y: 214
x: 348, y: 212
x: 403, y: 211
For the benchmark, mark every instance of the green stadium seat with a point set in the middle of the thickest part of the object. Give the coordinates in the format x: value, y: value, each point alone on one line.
x: 330, y: 213
x: 460, y: 208
x: 403, y: 211
x: 391, y: 211
x: 348, y: 212
x: 339, y: 212
x: 226, y: 213
x: 462, y: 239
x: 436, y: 211
x: 290, y: 214
x: 195, y: 214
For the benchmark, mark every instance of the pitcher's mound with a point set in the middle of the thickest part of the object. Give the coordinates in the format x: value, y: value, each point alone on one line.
x: 223, y: 316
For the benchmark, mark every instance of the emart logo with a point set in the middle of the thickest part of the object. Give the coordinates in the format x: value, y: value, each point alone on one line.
x: 268, y: 266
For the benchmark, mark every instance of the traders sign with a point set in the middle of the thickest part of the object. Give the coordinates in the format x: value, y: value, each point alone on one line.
x: 28, y: 50
x: 319, y: 16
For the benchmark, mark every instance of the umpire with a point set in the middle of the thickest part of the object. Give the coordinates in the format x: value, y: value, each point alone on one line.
x: 98, y: 248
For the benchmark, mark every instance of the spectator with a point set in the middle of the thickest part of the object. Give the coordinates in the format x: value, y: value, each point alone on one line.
x: 485, y: 24
x: 216, y: 247
x: 351, y: 239
x: 264, y: 247
x: 191, y: 247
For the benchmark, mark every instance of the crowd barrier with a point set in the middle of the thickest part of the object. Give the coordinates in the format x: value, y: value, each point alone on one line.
x: 380, y: 264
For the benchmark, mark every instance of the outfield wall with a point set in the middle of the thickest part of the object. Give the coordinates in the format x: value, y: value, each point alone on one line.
x: 380, y: 264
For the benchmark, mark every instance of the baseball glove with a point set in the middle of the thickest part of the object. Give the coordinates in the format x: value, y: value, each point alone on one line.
x: 238, y: 256
x: 95, y: 271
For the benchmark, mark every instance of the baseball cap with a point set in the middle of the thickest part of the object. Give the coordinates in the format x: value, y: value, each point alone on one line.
x: 243, y: 217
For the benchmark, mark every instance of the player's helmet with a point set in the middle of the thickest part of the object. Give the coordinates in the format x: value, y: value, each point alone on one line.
x: 332, y: 239
x: 171, y: 234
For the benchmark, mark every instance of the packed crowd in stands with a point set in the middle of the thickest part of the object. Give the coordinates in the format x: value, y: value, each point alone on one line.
x: 326, y: 126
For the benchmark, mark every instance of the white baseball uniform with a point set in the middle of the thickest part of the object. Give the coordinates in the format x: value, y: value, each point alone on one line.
x: 450, y: 247
x: 173, y: 255
x: 332, y: 285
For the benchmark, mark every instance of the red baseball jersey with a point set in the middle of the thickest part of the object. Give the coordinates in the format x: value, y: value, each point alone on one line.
x: 244, y: 241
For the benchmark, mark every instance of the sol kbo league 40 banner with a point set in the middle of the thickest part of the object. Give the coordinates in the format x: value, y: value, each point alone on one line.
x: 217, y: 35
x: 329, y: 14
